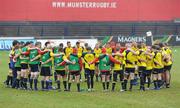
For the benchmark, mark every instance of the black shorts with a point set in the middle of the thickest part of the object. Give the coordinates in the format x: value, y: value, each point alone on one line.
x: 157, y: 71
x: 60, y: 72
x: 45, y: 71
x: 167, y: 68
x: 115, y: 75
x: 129, y: 70
x: 141, y: 69
x: 76, y: 73
x: 89, y: 72
x: 119, y: 72
x: 148, y: 71
x: 105, y: 73
x: 17, y: 69
x: 24, y: 66
x: 34, y: 67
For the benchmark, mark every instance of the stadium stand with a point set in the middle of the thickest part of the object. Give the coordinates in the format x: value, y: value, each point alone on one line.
x: 87, y: 28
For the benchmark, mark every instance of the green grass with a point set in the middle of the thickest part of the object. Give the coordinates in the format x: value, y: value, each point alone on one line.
x: 165, y: 98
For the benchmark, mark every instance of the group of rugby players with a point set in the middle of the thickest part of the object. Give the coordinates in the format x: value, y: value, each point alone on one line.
x: 111, y: 63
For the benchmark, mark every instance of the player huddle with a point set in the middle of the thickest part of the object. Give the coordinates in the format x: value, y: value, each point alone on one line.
x: 109, y: 63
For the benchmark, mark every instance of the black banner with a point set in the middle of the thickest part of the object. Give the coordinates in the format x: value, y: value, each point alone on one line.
x: 129, y: 39
x: 171, y: 40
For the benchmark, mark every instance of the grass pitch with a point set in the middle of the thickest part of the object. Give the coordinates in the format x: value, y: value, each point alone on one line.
x: 164, y: 98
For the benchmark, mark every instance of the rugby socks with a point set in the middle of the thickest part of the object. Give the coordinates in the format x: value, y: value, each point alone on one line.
x: 78, y: 87
x: 74, y: 77
x: 167, y: 85
x: 8, y: 79
x: 97, y: 78
x: 122, y: 84
x: 65, y: 85
x: 21, y: 82
x: 155, y: 84
x: 88, y: 82
x: 35, y: 84
x: 11, y: 80
x: 50, y: 84
x: 110, y: 77
x: 69, y: 86
x: 125, y: 85
x: 31, y: 82
x: 142, y: 83
x: 17, y: 83
x: 25, y: 83
x: 160, y: 83
x: 47, y: 85
x: 92, y: 82
x: 104, y: 86
x: 107, y: 85
x: 113, y: 86
x: 85, y: 76
x: 135, y: 80
x: 58, y: 84
x: 29, y: 77
x: 42, y: 84
x: 149, y: 82
x: 131, y: 85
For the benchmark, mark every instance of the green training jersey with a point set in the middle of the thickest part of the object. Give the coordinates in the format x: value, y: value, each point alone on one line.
x: 56, y: 50
x: 104, y: 64
x: 33, y: 53
x: 58, y: 60
x: 46, y: 57
x: 76, y: 66
x: 24, y: 58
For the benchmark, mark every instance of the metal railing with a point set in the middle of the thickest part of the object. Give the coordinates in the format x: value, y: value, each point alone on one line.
x: 87, y: 29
